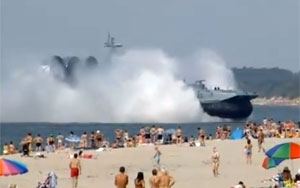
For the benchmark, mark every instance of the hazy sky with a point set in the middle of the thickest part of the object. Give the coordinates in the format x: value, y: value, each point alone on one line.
x: 258, y: 33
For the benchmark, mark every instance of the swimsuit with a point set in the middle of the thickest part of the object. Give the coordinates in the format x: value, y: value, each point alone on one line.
x: 74, y: 172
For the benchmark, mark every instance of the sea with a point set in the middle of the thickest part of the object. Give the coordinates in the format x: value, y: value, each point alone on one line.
x: 16, y: 131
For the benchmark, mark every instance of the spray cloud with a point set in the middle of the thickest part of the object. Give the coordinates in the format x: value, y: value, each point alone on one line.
x: 137, y: 86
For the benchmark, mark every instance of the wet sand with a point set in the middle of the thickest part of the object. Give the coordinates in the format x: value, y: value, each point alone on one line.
x: 190, y: 166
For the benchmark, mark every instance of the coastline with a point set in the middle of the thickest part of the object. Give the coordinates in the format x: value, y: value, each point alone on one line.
x: 276, y: 101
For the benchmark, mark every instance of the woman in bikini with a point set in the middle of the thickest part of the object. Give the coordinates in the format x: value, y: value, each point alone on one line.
x: 215, y: 161
x: 248, y: 151
x: 139, y: 182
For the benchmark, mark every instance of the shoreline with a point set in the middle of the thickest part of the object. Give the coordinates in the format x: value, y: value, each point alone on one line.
x: 276, y: 101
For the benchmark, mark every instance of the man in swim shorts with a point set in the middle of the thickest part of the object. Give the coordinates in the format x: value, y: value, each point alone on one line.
x: 75, y: 168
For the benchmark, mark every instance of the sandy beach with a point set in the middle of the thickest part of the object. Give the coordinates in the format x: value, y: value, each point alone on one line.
x: 190, y: 166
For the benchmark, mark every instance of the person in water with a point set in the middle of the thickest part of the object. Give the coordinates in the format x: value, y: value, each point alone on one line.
x: 75, y: 168
x: 157, y: 156
x: 153, y: 181
x: 139, y: 181
x: 121, y: 179
x: 215, y: 161
x: 248, y: 151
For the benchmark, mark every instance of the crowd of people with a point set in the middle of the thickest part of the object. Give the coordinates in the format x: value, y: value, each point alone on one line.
x: 157, y: 135
x: 153, y: 135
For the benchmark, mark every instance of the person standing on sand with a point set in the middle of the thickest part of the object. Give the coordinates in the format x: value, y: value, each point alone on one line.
x: 248, y: 151
x: 157, y: 156
x: 75, y: 168
x: 38, y: 142
x: 165, y: 180
x: 121, y: 179
x: 139, y: 181
x: 178, y: 134
x: 215, y: 161
x: 60, y: 142
x: 260, y: 140
x: 154, y: 179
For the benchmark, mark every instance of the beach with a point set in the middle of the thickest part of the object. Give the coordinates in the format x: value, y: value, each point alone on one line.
x: 190, y: 166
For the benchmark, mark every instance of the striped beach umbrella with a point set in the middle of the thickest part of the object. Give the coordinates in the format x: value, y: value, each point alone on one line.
x: 289, y: 150
x: 11, y: 167
x: 271, y: 162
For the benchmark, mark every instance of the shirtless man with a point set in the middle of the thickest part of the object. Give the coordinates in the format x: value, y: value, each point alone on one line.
x: 121, y: 179
x: 153, y: 181
x: 75, y: 168
x: 215, y: 161
x: 164, y: 180
x: 38, y: 143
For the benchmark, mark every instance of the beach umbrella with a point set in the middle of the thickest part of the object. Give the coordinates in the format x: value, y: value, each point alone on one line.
x: 11, y: 167
x: 271, y: 162
x: 170, y: 131
x: 289, y: 150
x: 73, y: 138
x: 237, y: 134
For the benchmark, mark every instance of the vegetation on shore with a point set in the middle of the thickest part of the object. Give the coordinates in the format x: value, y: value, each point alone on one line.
x: 268, y: 82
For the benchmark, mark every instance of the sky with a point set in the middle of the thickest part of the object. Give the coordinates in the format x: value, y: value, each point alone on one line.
x: 256, y: 33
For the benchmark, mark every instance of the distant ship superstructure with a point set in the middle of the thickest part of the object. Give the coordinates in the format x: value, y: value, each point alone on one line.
x: 110, y: 43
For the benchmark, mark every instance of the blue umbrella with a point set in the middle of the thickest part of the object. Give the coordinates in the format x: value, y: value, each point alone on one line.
x: 237, y: 134
x: 73, y: 138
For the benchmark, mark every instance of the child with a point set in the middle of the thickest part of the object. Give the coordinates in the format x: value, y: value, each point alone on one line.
x: 157, y: 156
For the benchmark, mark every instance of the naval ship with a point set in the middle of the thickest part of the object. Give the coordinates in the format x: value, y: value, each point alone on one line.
x: 229, y: 104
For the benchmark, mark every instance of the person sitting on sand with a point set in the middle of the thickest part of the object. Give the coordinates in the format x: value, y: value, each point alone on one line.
x: 248, y: 151
x: 121, y: 179
x: 154, y: 179
x: 165, y: 180
x: 215, y: 161
x: 239, y: 185
x: 287, y: 177
x: 192, y: 141
x: 297, y: 179
x: 11, y: 148
x: 139, y: 181
x: 75, y: 168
